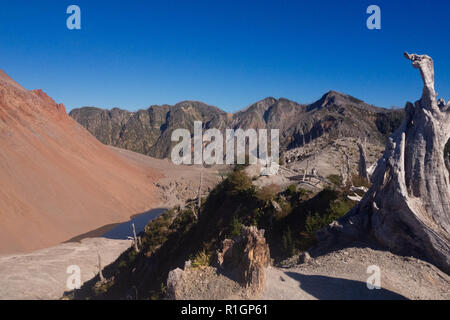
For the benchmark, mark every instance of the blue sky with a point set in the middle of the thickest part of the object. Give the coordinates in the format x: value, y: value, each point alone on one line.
x: 135, y: 53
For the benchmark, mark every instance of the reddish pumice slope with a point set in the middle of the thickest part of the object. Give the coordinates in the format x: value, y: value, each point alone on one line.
x: 56, y: 180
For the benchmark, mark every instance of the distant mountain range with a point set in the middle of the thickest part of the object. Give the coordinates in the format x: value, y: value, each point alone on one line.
x: 149, y: 131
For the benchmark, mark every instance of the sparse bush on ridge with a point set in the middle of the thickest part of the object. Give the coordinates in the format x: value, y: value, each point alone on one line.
x: 291, y: 189
x: 335, y: 179
x: 238, y: 182
x: 201, y: 259
x: 316, y: 221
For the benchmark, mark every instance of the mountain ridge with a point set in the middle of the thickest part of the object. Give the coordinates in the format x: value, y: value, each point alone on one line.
x: 148, y: 130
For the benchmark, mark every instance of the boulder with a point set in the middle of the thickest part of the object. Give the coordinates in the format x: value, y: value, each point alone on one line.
x: 175, y: 283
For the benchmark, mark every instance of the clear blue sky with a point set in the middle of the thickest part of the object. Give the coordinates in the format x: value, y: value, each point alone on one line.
x: 228, y: 53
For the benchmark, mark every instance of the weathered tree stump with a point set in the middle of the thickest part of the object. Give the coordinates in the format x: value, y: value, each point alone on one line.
x: 407, y: 209
x: 253, y: 257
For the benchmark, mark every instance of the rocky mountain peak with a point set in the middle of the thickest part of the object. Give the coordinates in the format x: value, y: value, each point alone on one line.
x: 259, y: 106
x: 335, y: 98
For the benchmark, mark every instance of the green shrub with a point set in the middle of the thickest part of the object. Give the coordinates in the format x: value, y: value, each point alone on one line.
x: 315, y: 222
x: 308, y: 236
x: 183, y: 220
x: 338, y: 208
x: 102, y: 288
x: 335, y: 179
x: 291, y: 189
x: 235, y: 227
x: 157, y: 231
x: 201, y: 259
x: 238, y: 182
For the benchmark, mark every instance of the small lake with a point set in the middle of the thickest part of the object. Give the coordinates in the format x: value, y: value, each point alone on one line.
x: 125, y: 230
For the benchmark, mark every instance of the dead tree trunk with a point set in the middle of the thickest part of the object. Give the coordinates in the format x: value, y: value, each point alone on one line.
x: 362, y: 166
x: 306, y: 170
x: 100, y: 268
x: 136, y: 247
x: 407, y: 209
x: 345, y: 171
x: 343, y: 176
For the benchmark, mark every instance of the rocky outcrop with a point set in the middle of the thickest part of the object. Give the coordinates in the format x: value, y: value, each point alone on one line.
x: 407, y: 209
x: 175, y: 285
x: 203, y: 283
x: 249, y: 255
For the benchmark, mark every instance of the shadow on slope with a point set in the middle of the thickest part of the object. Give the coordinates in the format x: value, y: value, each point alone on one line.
x: 329, y: 288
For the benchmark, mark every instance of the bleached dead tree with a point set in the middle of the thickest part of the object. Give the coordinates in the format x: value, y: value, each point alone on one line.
x: 100, y: 268
x: 306, y: 170
x: 346, y: 176
x: 407, y: 209
x: 193, y: 211
x: 362, y: 164
x: 343, y: 175
x: 135, y: 241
